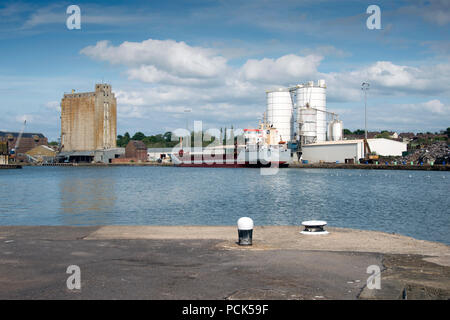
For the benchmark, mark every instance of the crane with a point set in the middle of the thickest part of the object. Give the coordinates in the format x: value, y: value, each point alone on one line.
x: 16, y: 146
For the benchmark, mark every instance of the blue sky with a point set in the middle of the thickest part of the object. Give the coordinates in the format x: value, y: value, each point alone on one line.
x: 218, y: 58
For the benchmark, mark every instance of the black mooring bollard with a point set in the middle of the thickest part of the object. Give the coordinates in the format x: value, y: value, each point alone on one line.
x: 245, y: 231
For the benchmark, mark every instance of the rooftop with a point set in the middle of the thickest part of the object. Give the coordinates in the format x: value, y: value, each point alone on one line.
x: 24, y: 135
x: 138, y: 144
x: 353, y: 141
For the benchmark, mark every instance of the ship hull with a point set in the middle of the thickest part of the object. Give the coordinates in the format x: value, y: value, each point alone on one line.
x: 243, y: 159
x: 232, y: 165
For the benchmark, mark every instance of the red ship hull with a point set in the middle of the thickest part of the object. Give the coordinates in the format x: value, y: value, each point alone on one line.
x: 225, y: 161
x: 231, y: 165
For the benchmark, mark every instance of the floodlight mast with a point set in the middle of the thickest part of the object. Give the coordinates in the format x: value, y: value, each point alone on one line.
x: 365, y: 86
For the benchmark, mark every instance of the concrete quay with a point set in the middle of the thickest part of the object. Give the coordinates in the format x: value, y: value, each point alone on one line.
x: 425, y: 167
x: 291, y: 165
x: 10, y: 166
x: 204, y: 262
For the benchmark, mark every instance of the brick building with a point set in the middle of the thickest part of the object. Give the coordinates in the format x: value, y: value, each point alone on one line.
x: 89, y: 120
x: 135, y: 151
x: 27, y: 142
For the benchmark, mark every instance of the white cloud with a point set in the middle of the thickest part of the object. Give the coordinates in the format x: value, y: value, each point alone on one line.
x: 151, y: 74
x: 434, y: 106
x: 90, y: 14
x: 128, y: 98
x: 434, y: 11
x: 160, y: 58
x: 440, y: 47
x: 429, y: 115
x: 173, y: 76
x: 283, y: 70
x: 389, y: 79
x: 326, y: 51
x: 45, y: 16
x: 53, y: 105
x: 130, y: 111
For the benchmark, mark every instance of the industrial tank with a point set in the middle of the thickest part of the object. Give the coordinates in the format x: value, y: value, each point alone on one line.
x: 330, y: 131
x: 280, y: 112
x: 311, y: 116
x: 337, y: 130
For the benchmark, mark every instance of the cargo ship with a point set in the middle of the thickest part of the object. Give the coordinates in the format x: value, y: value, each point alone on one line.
x: 260, y: 149
x: 238, y: 158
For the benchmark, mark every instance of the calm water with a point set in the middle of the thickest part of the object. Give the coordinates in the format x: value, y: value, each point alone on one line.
x: 414, y: 203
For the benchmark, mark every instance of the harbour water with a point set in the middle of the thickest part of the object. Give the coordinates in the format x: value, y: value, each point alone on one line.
x: 413, y: 203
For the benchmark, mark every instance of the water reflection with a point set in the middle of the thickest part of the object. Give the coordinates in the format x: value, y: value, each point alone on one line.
x: 87, y: 200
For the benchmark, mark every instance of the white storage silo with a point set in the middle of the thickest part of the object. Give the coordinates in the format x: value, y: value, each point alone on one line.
x: 307, y: 124
x: 280, y: 112
x: 318, y: 101
x: 312, y: 117
x: 337, y: 130
x: 330, y: 131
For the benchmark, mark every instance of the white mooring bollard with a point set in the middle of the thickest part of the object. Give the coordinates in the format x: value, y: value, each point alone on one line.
x: 245, y: 231
x: 314, y: 227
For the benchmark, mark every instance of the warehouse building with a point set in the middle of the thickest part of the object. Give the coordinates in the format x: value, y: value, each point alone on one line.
x: 161, y: 154
x: 41, y: 154
x: 345, y: 151
x: 27, y: 142
x: 97, y: 156
x: 387, y: 147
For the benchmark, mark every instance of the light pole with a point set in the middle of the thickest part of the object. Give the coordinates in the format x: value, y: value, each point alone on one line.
x: 365, y: 86
x: 187, y: 110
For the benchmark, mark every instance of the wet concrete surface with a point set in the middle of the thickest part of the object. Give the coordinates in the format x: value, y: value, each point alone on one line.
x: 34, y: 260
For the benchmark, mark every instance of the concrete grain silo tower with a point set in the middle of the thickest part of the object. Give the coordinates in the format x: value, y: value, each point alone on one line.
x: 89, y: 120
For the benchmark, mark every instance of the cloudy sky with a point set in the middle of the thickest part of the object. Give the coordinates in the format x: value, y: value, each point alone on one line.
x: 217, y: 58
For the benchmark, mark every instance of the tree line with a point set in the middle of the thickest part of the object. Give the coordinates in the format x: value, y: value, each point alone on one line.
x: 165, y: 140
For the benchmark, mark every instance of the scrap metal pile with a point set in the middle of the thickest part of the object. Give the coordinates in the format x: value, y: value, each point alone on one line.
x: 436, y: 152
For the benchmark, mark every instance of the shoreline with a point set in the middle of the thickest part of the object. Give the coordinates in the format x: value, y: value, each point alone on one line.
x: 371, y: 166
x: 425, y: 167
x: 204, y: 262
x: 10, y: 166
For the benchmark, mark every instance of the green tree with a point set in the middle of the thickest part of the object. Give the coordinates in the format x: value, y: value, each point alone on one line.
x: 383, y: 134
x: 346, y: 131
x: 138, y: 136
x: 122, y: 141
x: 168, y: 136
